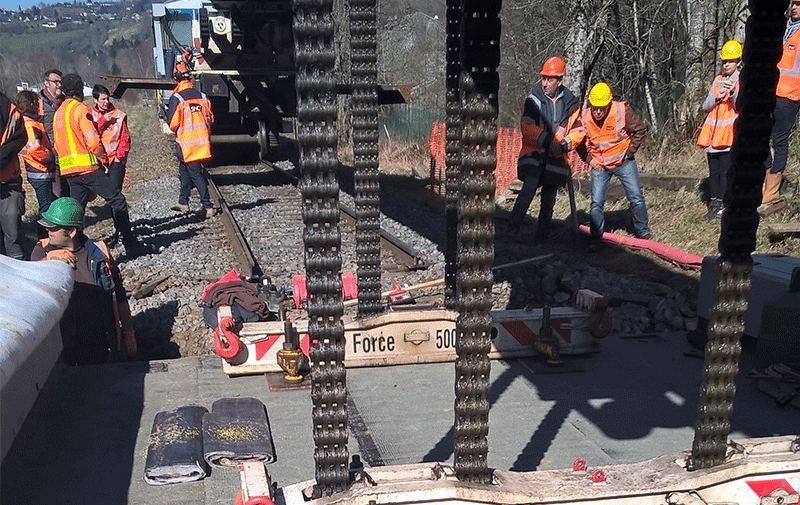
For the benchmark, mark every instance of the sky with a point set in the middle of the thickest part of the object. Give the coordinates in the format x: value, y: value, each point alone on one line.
x: 25, y: 4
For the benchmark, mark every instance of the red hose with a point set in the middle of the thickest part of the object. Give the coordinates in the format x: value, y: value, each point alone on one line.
x: 233, y: 346
x: 259, y: 500
x: 674, y: 256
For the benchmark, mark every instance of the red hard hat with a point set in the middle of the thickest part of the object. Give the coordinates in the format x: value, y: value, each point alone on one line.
x: 181, y: 71
x: 554, y: 67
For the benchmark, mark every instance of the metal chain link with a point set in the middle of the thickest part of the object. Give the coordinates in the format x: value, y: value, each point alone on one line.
x: 737, y: 241
x: 364, y: 62
x: 479, y: 84
x: 453, y: 127
x: 316, y: 135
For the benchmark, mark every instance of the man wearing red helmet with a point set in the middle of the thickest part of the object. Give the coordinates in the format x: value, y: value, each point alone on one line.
x: 544, y: 123
x: 190, y: 117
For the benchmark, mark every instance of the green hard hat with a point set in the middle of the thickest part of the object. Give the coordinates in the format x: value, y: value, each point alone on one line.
x: 65, y: 211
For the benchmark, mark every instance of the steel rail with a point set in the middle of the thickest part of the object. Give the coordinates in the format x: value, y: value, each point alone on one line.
x: 405, y: 254
x: 244, y: 260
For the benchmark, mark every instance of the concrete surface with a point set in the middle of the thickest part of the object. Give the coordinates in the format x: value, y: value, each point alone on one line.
x: 86, y: 438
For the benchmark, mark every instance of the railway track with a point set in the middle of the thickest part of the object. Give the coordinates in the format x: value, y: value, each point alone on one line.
x: 271, y: 245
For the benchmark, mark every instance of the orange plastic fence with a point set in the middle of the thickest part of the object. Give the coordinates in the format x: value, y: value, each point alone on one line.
x: 509, y: 143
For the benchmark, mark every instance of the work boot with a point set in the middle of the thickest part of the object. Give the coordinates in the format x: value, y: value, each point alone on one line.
x: 771, y: 189
x: 114, y: 239
x: 714, y: 207
x: 209, y: 212
x: 180, y: 207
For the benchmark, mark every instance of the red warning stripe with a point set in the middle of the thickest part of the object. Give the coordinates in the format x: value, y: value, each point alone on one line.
x: 263, y: 346
x: 524, y: 335
x: 765, y: 487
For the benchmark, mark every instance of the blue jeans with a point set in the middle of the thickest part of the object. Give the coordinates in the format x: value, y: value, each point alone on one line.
x: 44, y: 194
x: 628, y: 175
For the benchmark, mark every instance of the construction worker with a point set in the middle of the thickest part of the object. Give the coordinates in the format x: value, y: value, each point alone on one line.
x: 112, y: 124
x: 97, y: 318
x: 189, y: 115
x: 12, y: 199
x: 37, y: 155
x: 613, y: 133
x: 50, y: 99
x: 544, y: 124
x: 787, y: 104
x: 82, y: 157
x: 716, y: 135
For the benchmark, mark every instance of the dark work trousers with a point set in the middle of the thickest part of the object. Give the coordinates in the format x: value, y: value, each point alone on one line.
x: 60, y: 185
x: 116, y: 172
x: 783, y: 119
x: 718, y: 166
x: 12, y: 207
x: 100, y: 183
x: 548, y: 200
x: 191, y: 174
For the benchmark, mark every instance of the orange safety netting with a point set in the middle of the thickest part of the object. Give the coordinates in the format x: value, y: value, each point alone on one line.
x: 509, y: 143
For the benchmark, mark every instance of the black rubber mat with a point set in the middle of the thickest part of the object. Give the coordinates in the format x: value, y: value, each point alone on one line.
x: 237, y: 430
x: 175, y: 449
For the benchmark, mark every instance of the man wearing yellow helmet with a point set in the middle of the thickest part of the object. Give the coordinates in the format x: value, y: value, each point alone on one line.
x: 787, y: 104
x: 613, y: 133
x: 716, y: 135
x: 544, y: 123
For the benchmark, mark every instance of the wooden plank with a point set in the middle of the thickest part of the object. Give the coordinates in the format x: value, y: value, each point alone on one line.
x: 780, y: 229
x: 673, y: 182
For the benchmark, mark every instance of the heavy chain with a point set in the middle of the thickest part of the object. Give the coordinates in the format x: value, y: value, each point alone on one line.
x: 316, y: 135
x: 479, y: 83
x: 738, y: 236
x: 453, y: 127
x: 364, y: 62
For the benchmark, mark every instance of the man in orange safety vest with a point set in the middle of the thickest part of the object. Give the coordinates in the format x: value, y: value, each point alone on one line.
x: 81, y: 158
x: 784, y: 116
x: 613, y: 133
x: 189, y: 115
x: 12, y: 200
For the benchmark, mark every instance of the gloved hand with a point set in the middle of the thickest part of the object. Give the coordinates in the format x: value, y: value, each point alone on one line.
x: 63, y: 255
x: 555, y: 149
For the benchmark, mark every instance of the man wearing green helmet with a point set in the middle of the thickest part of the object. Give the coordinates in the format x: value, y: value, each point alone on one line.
x: 97, y: 319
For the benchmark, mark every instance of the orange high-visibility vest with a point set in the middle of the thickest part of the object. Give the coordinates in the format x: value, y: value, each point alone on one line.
x: 717, y: 130
x: 37, y: 153
x: 110, y: 136
x: 12, y: 169
x: 609, y: 142
x: 191, y: 123
x: 77, y: 141
x: 789, y: 67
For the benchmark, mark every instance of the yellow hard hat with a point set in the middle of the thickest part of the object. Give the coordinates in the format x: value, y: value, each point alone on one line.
x: 600, y: 95
x: 732, y: 50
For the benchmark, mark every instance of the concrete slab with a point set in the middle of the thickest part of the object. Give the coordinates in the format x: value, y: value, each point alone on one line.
x: 86, y: 438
